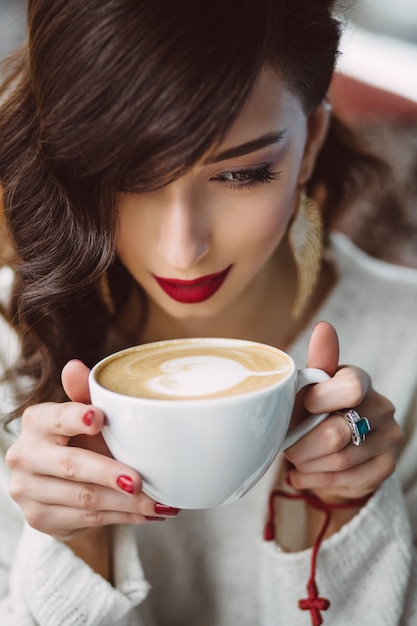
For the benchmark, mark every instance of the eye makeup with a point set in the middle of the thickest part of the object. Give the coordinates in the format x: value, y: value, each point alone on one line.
x: 247, y: 178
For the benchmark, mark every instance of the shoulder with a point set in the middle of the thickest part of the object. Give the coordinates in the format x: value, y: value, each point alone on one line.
x: 8, y: 338
x: 9, y: 346
x: 6, y: 280
x: 373, y: 307
x: 376, y: 291
x: 351, y: 260
x: 373, y: 301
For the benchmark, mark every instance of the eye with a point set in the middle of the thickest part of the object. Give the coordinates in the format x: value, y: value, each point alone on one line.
x: 246, y: 179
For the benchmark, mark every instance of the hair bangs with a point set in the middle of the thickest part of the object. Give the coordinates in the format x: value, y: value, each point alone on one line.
x: 147, y: 94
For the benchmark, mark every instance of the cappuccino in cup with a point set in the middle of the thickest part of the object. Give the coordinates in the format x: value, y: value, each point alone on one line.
x: 200, y: 419
x: 190, y: 370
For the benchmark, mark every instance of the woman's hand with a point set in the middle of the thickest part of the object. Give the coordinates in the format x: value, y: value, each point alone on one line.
x: 62, y: 474
x: 325, y: 461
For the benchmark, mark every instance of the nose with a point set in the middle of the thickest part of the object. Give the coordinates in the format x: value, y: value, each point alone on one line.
x: 184, y: 236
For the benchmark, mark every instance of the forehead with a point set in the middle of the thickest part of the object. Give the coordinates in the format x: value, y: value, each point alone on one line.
x: 269, y: 107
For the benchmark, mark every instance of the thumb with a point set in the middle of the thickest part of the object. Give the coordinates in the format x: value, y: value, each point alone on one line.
x: 323, y: 349
x: 75, y: 381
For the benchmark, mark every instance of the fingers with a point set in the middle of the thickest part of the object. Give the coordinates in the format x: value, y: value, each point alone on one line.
x: 63, y: 522
x: 81, y: 496
x: 66, y: 420
x: 88, y: 496
x: 348, y: 388
x: 323, y: 350
x: 63, y: 488
x: 330, y: 448
x: 45, y: 426
x: 77, y: 465
x: 354, y: 483
x: 325, y: 460
x: 90, y: 488
x: 334, y: 433
x: 75, y: 381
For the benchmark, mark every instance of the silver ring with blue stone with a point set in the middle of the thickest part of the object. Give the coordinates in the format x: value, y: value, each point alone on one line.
x: 359, y: 426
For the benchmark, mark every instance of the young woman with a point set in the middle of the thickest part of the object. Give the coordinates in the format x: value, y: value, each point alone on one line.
x: 172, y: 171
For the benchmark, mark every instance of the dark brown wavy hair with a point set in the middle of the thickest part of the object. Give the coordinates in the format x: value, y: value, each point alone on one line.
x: 111, y: 95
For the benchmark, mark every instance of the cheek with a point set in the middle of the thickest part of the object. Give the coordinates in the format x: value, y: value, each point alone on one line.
x: 126, y: 225
x: 125, y: 237
x: 133, y: 230
x: 266, y: 224
x: 131, y: 245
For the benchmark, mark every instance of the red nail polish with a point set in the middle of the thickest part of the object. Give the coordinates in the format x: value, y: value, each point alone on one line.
x: 163, y: 509
x: 125, y: 483
x: 153, y: 518
x: 88, y: 417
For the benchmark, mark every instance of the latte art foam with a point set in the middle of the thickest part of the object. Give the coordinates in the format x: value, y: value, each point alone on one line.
x: 189, y: 371
x: 199, y: 376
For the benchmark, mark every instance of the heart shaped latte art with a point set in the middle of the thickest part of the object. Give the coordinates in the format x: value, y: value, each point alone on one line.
x: 200, y: 375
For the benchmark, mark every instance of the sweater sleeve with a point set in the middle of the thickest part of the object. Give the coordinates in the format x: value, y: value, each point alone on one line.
x: 367, y: 570
x: 42, y: 582
x: 50, y: 586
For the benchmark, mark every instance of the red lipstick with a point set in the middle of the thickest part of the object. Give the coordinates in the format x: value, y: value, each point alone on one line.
x: 192, y: 291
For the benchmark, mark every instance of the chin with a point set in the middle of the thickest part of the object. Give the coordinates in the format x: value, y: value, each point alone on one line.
x: 207, y: 311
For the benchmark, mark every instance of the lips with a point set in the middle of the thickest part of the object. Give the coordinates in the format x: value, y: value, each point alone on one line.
x: 192, y: 291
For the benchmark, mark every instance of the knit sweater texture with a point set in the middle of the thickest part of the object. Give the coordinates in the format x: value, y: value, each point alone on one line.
x: 212, y: 567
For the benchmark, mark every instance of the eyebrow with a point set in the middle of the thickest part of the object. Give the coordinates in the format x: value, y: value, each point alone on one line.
x: 248, y: 147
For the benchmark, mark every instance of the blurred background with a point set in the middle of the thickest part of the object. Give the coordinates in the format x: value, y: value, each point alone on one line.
x: 12, y: 24
x: 394, y: 18
x: 397, y: 18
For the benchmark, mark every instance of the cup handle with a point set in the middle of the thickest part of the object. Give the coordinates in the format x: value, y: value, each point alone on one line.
x: 305, y: 377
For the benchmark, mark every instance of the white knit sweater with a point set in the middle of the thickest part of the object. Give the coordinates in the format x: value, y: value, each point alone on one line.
x: 212, y: 568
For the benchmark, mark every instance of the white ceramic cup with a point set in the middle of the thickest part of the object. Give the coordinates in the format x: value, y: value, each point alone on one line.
x: 203, y: 452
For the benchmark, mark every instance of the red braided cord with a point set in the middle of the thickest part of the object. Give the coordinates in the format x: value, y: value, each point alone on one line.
x: 313, y: 603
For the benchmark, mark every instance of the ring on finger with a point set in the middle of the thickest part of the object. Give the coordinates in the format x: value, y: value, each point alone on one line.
x: 358, y: 425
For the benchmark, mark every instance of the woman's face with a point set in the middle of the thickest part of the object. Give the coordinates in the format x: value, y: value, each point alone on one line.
x: 206, y: 241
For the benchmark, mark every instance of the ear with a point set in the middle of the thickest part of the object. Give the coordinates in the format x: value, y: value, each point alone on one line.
x: 317, y: 127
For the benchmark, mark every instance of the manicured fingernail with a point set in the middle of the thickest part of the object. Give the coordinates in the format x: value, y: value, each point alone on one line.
x: 88, y: 417
x: 163, y: 509
x: 125, y: 483
x: 153, y: 518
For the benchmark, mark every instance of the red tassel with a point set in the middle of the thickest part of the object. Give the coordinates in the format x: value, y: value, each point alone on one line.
x: 269, y: 531
x: 313, y: 603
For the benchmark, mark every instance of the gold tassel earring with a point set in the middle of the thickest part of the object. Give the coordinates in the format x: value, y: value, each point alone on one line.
x: 306, y: 240
x: 105, y: 294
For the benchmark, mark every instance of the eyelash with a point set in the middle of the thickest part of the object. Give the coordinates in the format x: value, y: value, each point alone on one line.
x: 246, y: 179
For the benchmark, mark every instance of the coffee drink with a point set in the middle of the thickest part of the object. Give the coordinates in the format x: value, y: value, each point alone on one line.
x: 193, y: 369
x: 200, y: 419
